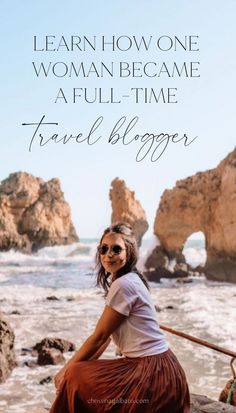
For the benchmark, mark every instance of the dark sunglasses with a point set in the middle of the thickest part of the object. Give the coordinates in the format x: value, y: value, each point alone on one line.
x: 115, y: 249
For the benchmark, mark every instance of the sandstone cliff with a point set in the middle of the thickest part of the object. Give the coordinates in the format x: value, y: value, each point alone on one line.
x: 127, y: 209
x: 203, y: 202
x: 33, y: 214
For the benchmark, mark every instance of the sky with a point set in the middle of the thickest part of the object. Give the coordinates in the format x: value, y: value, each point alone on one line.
x: 204, y: 109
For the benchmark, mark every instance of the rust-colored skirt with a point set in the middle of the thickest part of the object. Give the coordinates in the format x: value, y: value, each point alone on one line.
x: 152, y: 384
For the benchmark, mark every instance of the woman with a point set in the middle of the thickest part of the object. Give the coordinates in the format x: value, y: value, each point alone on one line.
x: 148, y: 378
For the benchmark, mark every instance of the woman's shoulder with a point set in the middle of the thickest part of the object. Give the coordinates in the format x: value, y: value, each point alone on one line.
x: 128, y: 280
x: 124, y: 286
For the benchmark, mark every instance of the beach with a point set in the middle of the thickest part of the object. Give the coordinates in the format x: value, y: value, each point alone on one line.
x: 53, y: 293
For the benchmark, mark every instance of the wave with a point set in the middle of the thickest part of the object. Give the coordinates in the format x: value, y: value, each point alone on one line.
x: 61, y: 258
x: 50, y: 255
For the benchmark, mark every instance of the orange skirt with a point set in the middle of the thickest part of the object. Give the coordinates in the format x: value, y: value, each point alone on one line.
x: 152, y: 384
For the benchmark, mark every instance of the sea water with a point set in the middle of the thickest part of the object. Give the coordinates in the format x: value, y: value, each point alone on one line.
x: 204, y: 309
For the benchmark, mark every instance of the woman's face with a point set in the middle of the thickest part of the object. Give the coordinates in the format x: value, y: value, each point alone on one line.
x: 114, y: 252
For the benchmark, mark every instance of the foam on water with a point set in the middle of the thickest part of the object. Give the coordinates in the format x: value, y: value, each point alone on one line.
x: 204, y: 309
x: 195, y: 257
x: 194, y: 252
x: 51, y: 255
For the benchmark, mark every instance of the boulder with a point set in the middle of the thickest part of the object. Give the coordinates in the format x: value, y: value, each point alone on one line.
x: 33, y: 214
x: 202, y: 404
x: 203, y: 202
x: 125, y: 208
x: 50, y: 356
x: 32, y: 364
x: 7, y: 352
x: 52, y: 298
x: 157, y: 259
x: 184, y: 280
x: 46, y: 380
x: 181, y: 270
x: 155, y: 275
x: 158, y: 265
x: 56, y: 343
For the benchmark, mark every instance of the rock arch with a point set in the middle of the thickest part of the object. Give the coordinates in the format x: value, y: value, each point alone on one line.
x: 203, y: 202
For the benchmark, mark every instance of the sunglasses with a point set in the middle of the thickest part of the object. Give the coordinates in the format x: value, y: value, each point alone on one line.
x: 115, y: 249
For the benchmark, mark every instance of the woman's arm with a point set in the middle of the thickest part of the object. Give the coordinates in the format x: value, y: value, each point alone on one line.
x: 109, y: 321
x: 101, y: 350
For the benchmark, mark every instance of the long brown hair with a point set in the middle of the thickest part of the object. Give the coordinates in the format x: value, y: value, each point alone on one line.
x: 126, y: 231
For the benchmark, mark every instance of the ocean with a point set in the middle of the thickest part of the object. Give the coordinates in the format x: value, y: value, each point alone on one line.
x: 201, y: 308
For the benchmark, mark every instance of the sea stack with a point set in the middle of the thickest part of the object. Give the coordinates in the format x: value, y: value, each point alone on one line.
x: 33, y: 214
x: 126, y: 208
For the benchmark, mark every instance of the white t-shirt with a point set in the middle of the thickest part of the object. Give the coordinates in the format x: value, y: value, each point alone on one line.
x: 139, y: 335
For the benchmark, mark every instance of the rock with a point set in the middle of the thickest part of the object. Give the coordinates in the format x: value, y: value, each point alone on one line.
x: 7, y: 352
x: 199, y: 269
x: 158, y: 265
x: 181, y: 270
x: 50, y: 356
x: 184, y: 280
x: 15, y: 312
x: 202, y: 404
x: 33, y: 214
x: 157, y: 259
x: 52, y: 298
x: 56, y: 343
x: 203, y: 202
x: 26, y: 350
x: 30, y: 363
x: 125, y: 208
x: 46, y: 380
x: 9, y: 236
x: 158, y: 273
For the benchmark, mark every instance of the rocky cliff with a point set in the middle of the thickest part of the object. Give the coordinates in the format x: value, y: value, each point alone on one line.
x: 203, y: 202
x: 127, y: 209
x: 33, y: 214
